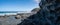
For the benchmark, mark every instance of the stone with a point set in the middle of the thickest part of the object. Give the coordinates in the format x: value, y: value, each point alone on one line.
x: 18, y: 17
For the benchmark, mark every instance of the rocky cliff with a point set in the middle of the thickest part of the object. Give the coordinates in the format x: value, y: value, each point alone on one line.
x: 49, y: 14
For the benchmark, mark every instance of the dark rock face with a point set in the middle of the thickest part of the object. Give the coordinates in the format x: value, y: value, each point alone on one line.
x: 49, y: 14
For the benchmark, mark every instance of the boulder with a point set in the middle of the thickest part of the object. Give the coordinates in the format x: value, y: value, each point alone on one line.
x: 18, y: 17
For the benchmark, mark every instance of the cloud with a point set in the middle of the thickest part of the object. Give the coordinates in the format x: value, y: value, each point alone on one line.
x: 37, y: 1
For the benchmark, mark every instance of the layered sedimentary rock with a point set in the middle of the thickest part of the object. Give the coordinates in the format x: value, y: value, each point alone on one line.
x: 49, y: 14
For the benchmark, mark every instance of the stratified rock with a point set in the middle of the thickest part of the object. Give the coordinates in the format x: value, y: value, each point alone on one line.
x: 49, y: 14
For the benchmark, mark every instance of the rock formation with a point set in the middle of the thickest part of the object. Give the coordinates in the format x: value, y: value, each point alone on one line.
x: 49, y: 14
x: 25, y: 15
x: 35, y: 10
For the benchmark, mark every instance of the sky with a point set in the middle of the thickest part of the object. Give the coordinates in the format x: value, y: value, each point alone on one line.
x: 18, y: 5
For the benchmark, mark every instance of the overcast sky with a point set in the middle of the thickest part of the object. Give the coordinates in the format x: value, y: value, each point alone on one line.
x: 18, y: 5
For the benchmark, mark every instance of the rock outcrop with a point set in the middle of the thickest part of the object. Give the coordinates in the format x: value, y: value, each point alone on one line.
x: 25, y: 15
x: 49, y: 14
x: 35, y: 10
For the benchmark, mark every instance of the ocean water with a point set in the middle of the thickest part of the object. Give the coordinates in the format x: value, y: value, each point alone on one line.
x: 6, y: 13
x: 12, y: 12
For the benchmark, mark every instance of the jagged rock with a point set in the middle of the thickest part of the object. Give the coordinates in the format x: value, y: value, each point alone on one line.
x: 49, y: 14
